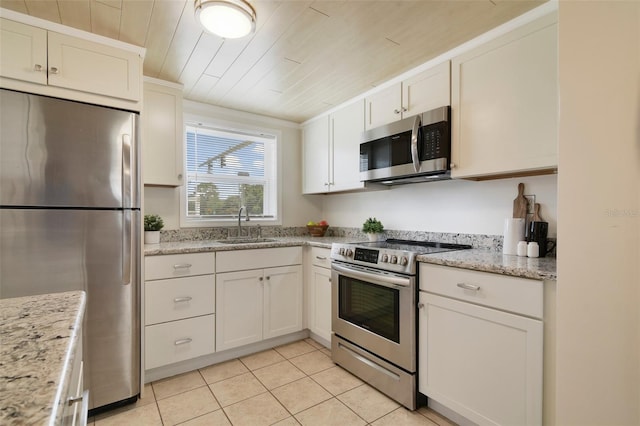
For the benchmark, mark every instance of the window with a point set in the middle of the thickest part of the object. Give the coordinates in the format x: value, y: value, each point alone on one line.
x: 228, y: 169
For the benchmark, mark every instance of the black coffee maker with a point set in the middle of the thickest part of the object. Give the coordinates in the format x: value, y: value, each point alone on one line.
x: 537, y: 232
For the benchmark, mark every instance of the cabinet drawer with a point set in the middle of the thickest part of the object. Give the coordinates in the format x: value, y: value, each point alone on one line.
x: 518, y: 295
x: 178, y: 265
x: 179, y: 340
x: 179, y: 298
x: 242, y: 260
x: 321, y: 257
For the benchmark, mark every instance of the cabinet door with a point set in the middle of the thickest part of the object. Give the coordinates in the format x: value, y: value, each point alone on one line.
x: 239, y: 304
x: 163, y: 135
x: 92, y: 67
x: 23, y: 52
x: 505, y: 104
x: 347, y: 126
x: 383, y: 107
x: 315, y: 147
x: 426, y: 91
x: 282, y: 301
x: 482, y: 363
x: 320, y: 302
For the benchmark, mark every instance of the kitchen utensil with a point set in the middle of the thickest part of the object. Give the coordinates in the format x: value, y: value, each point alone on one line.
x: 513, y: 233
x: 520, y: 203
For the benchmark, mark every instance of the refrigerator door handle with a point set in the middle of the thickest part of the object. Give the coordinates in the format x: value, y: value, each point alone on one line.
x: 127, y: 182
x: 127, y: 241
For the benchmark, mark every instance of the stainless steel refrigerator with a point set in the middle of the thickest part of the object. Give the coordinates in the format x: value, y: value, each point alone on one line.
x: 70, y: 220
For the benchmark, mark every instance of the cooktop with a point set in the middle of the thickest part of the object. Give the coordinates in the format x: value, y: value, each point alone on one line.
x: 391, y: 255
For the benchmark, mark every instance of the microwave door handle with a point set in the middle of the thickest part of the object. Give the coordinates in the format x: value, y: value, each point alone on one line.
x: 414, y: 143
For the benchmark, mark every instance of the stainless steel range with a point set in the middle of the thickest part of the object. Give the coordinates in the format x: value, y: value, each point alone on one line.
x: 374, y: 293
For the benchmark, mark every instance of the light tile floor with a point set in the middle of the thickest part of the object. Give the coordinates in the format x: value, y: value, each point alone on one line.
x: 293, y: 384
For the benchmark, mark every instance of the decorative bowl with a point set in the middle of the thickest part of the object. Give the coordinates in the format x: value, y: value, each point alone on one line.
x: 317, y: 230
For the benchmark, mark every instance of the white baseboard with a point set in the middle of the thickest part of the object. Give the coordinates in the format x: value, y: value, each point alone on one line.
x: 218, y: 357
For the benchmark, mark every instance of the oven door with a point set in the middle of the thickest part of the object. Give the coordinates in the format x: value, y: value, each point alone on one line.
x: 376, y: 311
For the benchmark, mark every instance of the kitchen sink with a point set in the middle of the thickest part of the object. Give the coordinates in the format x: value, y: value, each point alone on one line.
x: 246, y: 240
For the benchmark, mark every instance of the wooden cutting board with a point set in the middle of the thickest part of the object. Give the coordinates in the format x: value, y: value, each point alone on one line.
x: 520, y: 204
x: 536, y: 213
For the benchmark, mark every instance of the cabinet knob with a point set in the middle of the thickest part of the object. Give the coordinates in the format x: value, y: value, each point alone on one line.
x: 180, y: 176
x: 404, y: 109
x: 453, y: 165
x: 420, y: 305
x: 37, y: 68
x: 260, y: 279
x: 396, y: 111
x: 54, y: 70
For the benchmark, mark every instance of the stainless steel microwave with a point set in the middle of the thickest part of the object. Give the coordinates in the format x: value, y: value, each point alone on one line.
x: 415, y: 149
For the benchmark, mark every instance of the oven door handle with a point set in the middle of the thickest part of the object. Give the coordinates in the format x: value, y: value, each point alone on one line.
x: 382, y: 280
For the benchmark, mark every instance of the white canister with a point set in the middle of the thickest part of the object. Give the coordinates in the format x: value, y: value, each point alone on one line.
x: 513, y: 233
x: 522, y: 248
x: 533, y: 250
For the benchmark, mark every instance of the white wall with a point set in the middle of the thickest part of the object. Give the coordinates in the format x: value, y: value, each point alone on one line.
x: 598, y: 295
x: 455, y: 206
x: 296, y: 209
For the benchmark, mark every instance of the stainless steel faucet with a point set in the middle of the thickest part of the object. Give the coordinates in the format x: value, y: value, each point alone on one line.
x: 246, y: 212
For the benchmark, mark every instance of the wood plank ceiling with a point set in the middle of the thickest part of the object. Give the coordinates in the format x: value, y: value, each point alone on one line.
x: 305, y: 57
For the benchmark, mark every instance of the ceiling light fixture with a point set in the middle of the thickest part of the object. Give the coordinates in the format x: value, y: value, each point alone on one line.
x: 226, y: 18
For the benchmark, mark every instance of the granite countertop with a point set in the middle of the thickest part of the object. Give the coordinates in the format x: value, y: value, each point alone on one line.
x: 199, y: 246
x: 541, y: 268
x: 38, y: 338
x: 485, y: 260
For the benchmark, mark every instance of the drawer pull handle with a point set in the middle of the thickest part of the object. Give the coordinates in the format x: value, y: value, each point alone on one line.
x: 182, y: 341
x: 182, y: 299
x: 182, y: 266
x: 469, y: 286
x: 321, y: 257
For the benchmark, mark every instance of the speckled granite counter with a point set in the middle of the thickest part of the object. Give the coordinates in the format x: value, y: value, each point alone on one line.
x: 477, y: 259
x: 37, y: 344
x: 198, y: 246
x: 542, y: 268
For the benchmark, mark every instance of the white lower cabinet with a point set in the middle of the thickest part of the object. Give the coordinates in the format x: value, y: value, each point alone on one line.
x: 176, y: 341
x: 258, y: 304
x: 475, y: 358
x: 319, y: 293
x: 74, y: 412
x: 179, y: 308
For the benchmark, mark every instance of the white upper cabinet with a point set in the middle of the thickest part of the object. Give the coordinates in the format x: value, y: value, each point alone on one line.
x: 53, y: 63
x: 347, y: 125
x: 384, y: 106
x: 331, y: 151
x: 505, y: 104
x: 23, y: 52
x: 92, y: 67
x: 162, y: 133
x: 315, y: 140
x: 424, y: 91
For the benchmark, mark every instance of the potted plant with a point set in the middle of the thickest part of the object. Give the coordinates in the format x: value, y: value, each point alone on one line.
x: 152, y: 226
x: 373, y: 228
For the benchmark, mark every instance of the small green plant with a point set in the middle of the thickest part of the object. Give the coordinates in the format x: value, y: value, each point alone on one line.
x: 153, y: 222
x: 372, y: 226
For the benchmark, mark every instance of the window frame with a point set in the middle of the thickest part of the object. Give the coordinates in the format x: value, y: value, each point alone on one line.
x: 193, y: 120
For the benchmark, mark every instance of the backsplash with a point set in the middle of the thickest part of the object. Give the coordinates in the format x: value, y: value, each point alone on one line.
x: 491, y: 242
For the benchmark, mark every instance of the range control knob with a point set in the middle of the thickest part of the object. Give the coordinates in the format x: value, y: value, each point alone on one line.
x: 385, y: 258
x: 349, y: 253
x: 404, y: 261
x: 394, y: 259
x: 341, y: 251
